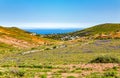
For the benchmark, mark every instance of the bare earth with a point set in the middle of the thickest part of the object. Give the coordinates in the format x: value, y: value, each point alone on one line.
x: 87, y: 69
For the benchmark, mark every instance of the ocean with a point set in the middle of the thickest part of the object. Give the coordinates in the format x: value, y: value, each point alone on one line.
x: 51, y: 31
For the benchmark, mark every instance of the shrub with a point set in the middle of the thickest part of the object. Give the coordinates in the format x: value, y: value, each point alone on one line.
x: 115, y: 68
x: 49, y: 67
x: 54, y: 47
x: 95, y: 75
x: 6, y: 65
x: 1, y: 73
x: 44, y: 76
x: 25, y: 66
x: 47, y: 48
x: 111, y: 74
x: 37, y: 66
x: 105, y: 59
x: 19, y: 73
x: 71, y: 77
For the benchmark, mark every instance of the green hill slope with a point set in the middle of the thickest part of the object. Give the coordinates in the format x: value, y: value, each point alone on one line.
x: 102, y: 28
x: 108, y: 29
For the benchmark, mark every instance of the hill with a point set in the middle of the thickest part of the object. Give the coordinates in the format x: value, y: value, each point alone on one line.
x: 19, y: 38
x: 107, y: 30
x: 98, y: 29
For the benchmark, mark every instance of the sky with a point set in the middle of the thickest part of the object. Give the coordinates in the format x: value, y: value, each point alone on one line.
x: 60, y: 14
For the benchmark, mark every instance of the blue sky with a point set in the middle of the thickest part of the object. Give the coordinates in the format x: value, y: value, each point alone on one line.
x: 58, y: 13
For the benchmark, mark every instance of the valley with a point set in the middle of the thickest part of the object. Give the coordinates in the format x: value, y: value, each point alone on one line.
x: 94, y: 53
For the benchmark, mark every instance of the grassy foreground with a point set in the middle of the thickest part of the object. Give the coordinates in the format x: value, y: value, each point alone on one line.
x: 69, y: 61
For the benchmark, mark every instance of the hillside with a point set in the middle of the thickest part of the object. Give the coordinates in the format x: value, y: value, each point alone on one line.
x: 107, y: 30
x: 98, y: 29
x: 19, y: 38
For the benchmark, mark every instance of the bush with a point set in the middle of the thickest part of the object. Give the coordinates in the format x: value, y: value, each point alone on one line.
x: 37, y: 66
x: 49, y: 67
x: 25, y: 66
x: 71, y: 77
x: 95, y: 75
x: 47, y: 48
x: 110, y: 74
x: 54, y: 47
x: 44, y: 76
x: 105, y: 59
x: 1, y: 73
x: 19, y: 73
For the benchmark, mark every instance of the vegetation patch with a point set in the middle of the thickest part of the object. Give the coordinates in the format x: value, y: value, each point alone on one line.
x: 71, y: 77
x: 19, y: 73
x: 105, y: 59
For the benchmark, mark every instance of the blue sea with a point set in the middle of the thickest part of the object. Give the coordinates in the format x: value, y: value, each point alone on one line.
x: 52, y: 31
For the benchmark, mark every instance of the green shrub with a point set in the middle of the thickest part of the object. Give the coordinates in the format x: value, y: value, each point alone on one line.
x: 44, y: 76
x: 115, y: 68
x: 54, y: 47
x: 105, y: 59
x: 49, y: 67
x: 111, y: 74
x: 47, y: 48
x: 19, y: 73
x: 25, y: 66
x: 1, y: 73
x: 5, y: 65
x: 37, y: 66
x: 87, y: 69
x: 71, y: 77
x: 95, y: 75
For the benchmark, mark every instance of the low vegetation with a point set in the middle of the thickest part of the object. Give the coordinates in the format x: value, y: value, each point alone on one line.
x: 88, y: 53
x: 105, y: 59
x: 16, y: 37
